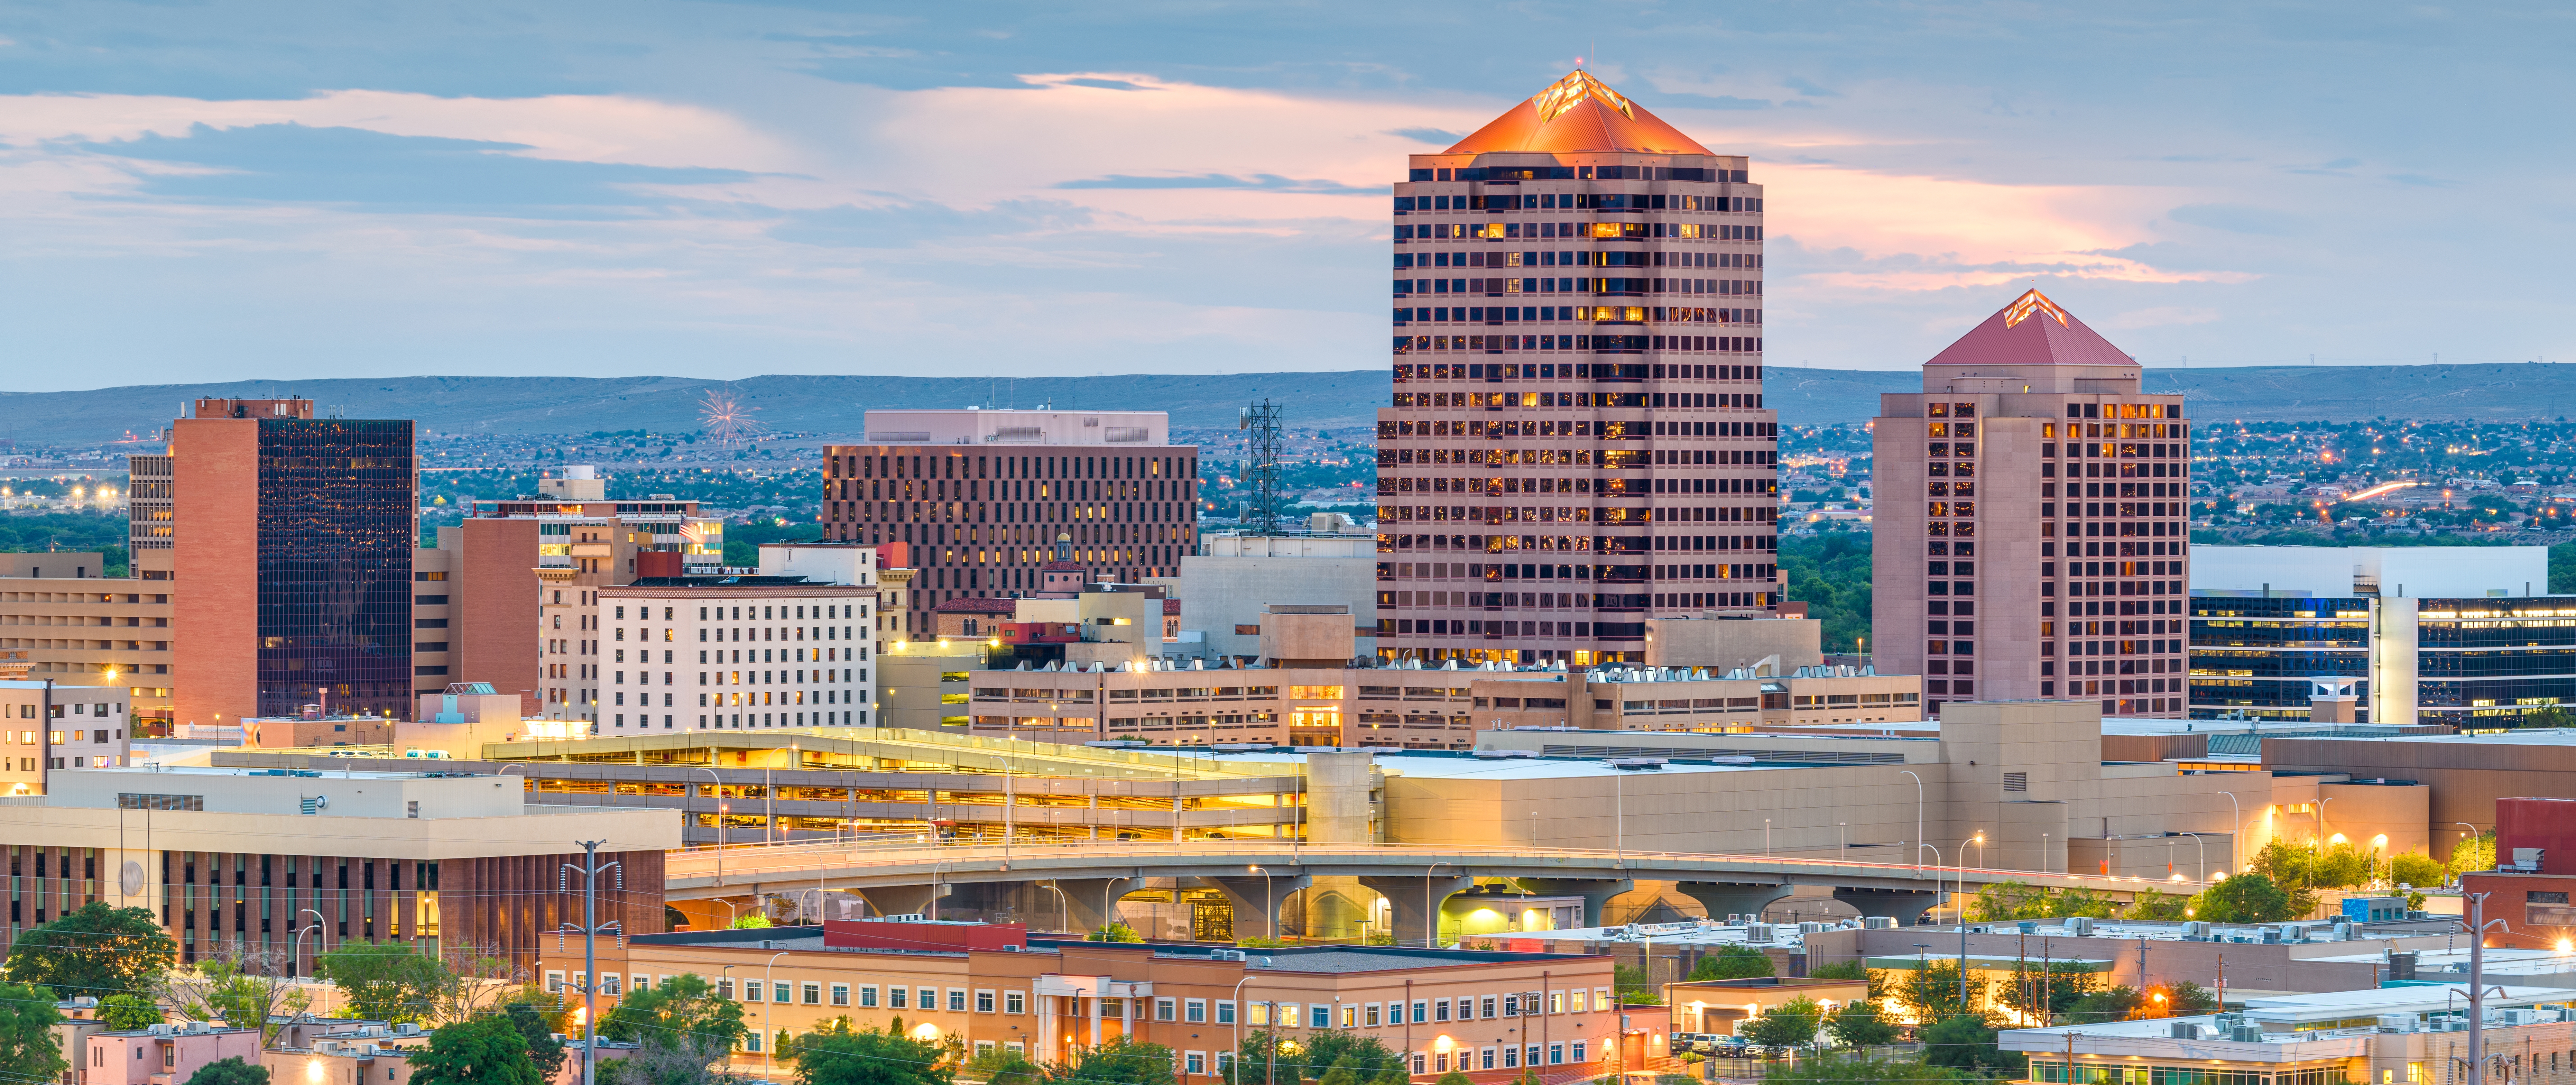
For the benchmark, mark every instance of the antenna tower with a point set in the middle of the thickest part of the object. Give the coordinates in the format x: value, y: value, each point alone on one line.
x: 1261, y: 464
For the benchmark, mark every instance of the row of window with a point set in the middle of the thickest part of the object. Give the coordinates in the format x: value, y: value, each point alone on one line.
x: 1596, y: 231
x: 1659, y: 258
x: 1589, y: 173
x: 1614, y: 287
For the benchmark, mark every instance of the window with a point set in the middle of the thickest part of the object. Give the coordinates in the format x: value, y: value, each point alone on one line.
x: 1225, y: 1013
x: 1194, y: 1011
x: 1487, y: 1005
x: 2016, y: 781
x: 1578, y: 1052
x: 554, y: 982
x: 779, y: 993
x: 1511, y: 1057
x: 983, y: 1002
x: 1194, y: 1062
x: 1371, y: 1020
x: 927, y: 998
x: 840, y: 994
x: 1015, y: 1002
x: 1487, y: 1057
x: 1319, y: 1016
x: 897, y: 996
x: 1164, y: 1008
x: 956, y: 1000
x: 751, y: 991
x: 751, y: 1040
x: 814, y: 994
x: 1511, y: 1005
x: 1420, y: 1009
x: 1439, y: 1009
x: 1350, y: 1017
x: 868, y: 997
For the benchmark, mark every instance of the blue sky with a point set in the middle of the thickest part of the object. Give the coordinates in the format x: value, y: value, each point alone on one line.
x: 216, y: 191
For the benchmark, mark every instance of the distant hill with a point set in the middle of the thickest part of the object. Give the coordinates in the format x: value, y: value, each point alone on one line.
x: 831, y: 405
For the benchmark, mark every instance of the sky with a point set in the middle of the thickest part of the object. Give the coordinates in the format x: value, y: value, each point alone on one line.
x: 212, y: 191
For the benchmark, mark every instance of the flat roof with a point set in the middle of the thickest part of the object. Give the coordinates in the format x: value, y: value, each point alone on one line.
x: 1428, y: 765
x: 141, y: 772
x: 2543, y: 736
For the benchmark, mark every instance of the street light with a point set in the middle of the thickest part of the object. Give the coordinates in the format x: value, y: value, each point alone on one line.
x: 2204, y: 856
x: 2235, y: 830
x: 767, y: 1015
x: 1269, y: 908
x: 1430, y: 918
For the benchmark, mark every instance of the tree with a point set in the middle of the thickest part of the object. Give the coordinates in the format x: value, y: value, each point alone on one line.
x: 1789, y: 1025
x: 1932, y: 992
x: 1364, y: 1056
x: 1001, y: 1066
x: 232, y: 1071
x: 2157, y: 905
x: 387, y: 981
x: 2048, y: 990
x: 1840, y: 970
x: 539, y: 1029
x: 2083, y: 902
x: 1860, y: 1024
x: 2245, y: 898
x: 1453, y: 1077
x: 2183, y: 998
x: 2468, y: 856
x: 1114, y: 932
x: 1122, y: 1061
x: 2108, y: 1004
x: 1967, y: 1042
x: 1732, y: 962
x: 1632, y: 986
x: 28, y: 1050
x: 245, y: 990
x: 2007, y: 900
x: 125, y: 1013
x: 487, y: 1050
x: 2344, y: 865
x: 1849, y: 1070
x: 840, y: 1053
x: 2417, y: 870
x: 95, y: 949
x: 751, y: 921
x: 682, y: 1029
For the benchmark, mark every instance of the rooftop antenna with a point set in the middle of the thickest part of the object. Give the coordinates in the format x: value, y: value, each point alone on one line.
x: 1261, y: 465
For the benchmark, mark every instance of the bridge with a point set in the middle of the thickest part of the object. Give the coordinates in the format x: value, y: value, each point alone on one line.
x: 1088, y: 877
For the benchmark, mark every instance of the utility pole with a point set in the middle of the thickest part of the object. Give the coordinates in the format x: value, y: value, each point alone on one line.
x: 590, y: 930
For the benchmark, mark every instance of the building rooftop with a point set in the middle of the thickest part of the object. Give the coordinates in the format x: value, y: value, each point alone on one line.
x: 2031, y: 331
x: 1575, y: 114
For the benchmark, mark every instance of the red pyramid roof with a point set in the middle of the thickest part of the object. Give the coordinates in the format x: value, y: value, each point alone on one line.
x: 2032, y: 331
x: 1575, y: 114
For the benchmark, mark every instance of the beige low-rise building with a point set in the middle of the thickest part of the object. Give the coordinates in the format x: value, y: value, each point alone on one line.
x: 76, y: 627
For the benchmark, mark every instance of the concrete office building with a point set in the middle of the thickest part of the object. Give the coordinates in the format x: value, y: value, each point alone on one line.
x: 2413, y: 1034
x: 2343, y: 572
x: 1578, y: 403
x: 291, y: 541
x: 2032, y: 449
x: 1222, y: 591
x: 371, y: 852
x: 523, y: 580
x: 1495, y: 1016
x: 45, y: 729
x: 2476, y: 662
x: 784, y: 652
x: 975, y: 501
x: 74, y: 627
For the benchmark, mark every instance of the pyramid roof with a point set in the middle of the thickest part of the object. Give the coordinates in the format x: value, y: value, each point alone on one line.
x: 1575, y: 114
x: 2032, y: 331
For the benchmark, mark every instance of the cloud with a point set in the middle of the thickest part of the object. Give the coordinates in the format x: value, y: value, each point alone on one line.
x: 2240, y: 219
x: 353, y: 167
x: 1718, y: 101
x: 1265, y: 182
x: 897, y: 225
x: 2421, y: 181
x: 2161, y: 316
x: 1108, y: 84
x: 1809, y: 89
x: 1437, y: 137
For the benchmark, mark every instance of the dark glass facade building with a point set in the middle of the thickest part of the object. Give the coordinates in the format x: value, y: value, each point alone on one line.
x: 337, y: 525
x: 2479, y: 663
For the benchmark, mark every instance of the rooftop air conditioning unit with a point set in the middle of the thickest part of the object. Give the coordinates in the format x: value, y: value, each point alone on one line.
x: 2186, y: 1030
x: 2080, y: 926
x: 2246, y: 1034
x: 1226, y: 955
x: 1878, y: 922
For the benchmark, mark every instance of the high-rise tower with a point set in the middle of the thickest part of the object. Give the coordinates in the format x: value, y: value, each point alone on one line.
x: 2031, y: 538
x: 1577, y: 441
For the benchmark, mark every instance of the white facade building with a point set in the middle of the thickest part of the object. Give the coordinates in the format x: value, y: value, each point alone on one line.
x: 2345, y: 572
x: 742, y: 652
x: 975, y: 426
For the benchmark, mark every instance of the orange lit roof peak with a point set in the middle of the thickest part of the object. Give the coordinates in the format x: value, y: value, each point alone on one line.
x: 1576, y: 114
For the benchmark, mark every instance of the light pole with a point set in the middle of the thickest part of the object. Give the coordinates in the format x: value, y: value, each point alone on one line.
x: 1064, y: 905
x: 1269, y: 907
x: 1430, y: 918
x: 1918, y: 823
x: 2204, y: 856
x: 2472, y: 834
x: 767, y: 1015
x: 1936, y: 866
x: 2321, y: 821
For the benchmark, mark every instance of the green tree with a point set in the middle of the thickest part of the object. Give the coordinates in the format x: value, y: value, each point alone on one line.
x: 124, y: 1013
x: 2183, y: 998
x: 2157, y: 905
x: 1122, y: 1061
x: 2416, y: 869
x: 1851, y: 1070
x: 2344, y: 865
x: 1364, y: 1056
x: 749, y: 922
x: 2245, y: 898
x: 1860, y: 1024
x: 1114, y: 932
x: 1966, y: 1042
x: 2083, y: 902
x: 28, y: 1049
x: 1001, y: 1066
x: 2468, y: 856
x: 539, y: 1028
x: 1732, y: 962
x: 840, y: 1053
x: 1840, y: 970
x: 1631, y: 986
x: 2007, y: 900
x: 232, y: 1071
x: 1454, y: 1077
x: 95, y: 949
x: 681, y: 1013
x: 2048, y: 989
x: 1932, y: 991
x: 386, y: 981
x: 2108, y: 1004
x: 486, y: 1050
x: 244, y: 990
x: 1784, y: 1027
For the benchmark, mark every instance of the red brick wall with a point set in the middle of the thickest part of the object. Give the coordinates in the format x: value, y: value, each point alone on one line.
x: 214, y: 624
x: 496, y: 608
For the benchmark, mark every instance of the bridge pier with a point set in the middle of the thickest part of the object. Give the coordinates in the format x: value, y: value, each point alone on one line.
x: 1414, y: 902
x: 1596, y: 893
x: 898, y: 899
x: 1088, y: 904
x: 1257, y: 901
x: 1903, y: 905
x: 1723, y: 899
